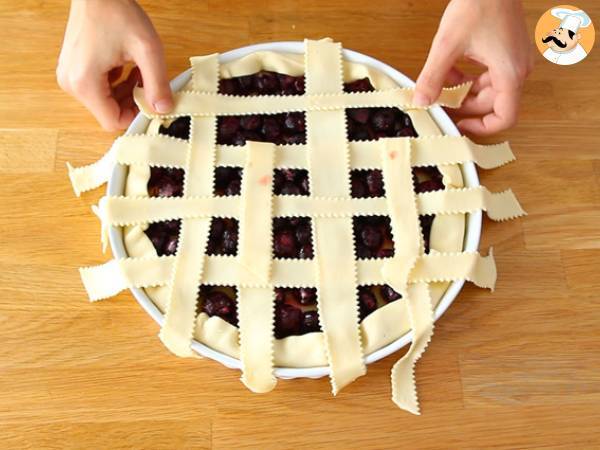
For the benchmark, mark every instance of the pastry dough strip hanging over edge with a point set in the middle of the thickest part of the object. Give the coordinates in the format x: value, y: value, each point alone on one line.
x: 108, y: 279
x: 396, y: 158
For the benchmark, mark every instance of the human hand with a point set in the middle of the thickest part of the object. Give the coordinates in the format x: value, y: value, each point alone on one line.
x: 489, y: 32
x: 101, y: 36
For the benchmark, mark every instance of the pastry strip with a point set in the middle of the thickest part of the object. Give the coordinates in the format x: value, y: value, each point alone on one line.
x: 102, y: 281
x: 256, y: 304
x: 89, y: 177
x: 137, y: 210
x: 158, y: 151
x: 420, y: 313
x: 196, y: 103
x: 109, y: 279
x: 178, y: 326
x: 165, y: 151
x: 402, y: 210
x: 329, y: 171
x: 408, y: 245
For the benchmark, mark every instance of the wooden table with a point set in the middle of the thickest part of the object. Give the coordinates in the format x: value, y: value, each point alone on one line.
x: 513, y: 369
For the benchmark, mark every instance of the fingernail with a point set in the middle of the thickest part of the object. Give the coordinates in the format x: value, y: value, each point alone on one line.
x: 163, y: 106
x: 420, y: 99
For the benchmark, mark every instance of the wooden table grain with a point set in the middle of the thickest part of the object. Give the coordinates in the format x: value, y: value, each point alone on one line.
x: 519, y: 368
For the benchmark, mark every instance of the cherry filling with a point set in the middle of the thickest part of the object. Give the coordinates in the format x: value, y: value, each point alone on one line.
x: 295, y: 308
x: 290, y: 182
x: 366, y: 183
x: 164, y: 236
x: 263, y: 83
x: 367, y: 124
x: 165, y: 182
x: 372, y: 237
x: 292, y: 237
x: 228, y: 181
x: 223, y: 237
x: 179, y: 128
x: 285, y: 128
x: 218, y: 301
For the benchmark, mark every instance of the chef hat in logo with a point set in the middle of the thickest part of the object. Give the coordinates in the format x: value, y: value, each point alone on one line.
x: 572, y: 20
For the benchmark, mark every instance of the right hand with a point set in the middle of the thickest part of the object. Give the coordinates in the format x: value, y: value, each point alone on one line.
x: 101, y: 36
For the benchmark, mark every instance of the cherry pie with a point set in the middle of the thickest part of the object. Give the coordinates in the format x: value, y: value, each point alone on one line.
x: 296, y: 211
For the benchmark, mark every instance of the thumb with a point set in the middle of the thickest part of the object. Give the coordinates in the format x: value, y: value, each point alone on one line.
x: 445, y: 50
x: 150, y: 59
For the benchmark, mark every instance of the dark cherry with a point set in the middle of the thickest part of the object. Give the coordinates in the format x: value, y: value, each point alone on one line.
x: 306, y: 252
x: 388, y: 293
x: 292, y: 237
x: 288, y: 320
x: 267, y: 82
x: 361, y: 85
x: 310, y: 322
x: 426, y: 222
x: 371, y: 237
x: 234, y: 187
x: 303, y: 233
x: 228, y: 180
x: 363, y: 252
x: 271, y: 129
x: 367, y: 302
x: 165, y: 182
x: 383, y: 120
x: 247, y: 84
x: 429, y: 186
x: 374, y: 180
x: 223, y: 237
x: 358, y: 185
x: 284, y: 244
x: 230, y: 240
x: 179, y: 128
x: 359, y: 115
x: 228, y: 86
x: 295, y: 122
x: 252, y: 122
x: 227, y: 126
x: 217, y: 303
x: 164, y: 236
x: 308, y: 296
x: 170, y: 244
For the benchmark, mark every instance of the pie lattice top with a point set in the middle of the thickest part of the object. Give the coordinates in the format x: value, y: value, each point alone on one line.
x: 334, y: 270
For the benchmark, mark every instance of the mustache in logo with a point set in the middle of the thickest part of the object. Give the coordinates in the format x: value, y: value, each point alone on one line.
x: 556, y: 41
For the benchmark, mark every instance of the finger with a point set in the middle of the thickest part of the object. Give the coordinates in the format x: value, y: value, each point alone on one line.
x: 503, y: 116
x: 123, y: 94
x: 94, y: 91
x: 478, y: 105
x: 481, y: 82
x: 456, y: 76
x: 150, y: 60
x: 444, y: 52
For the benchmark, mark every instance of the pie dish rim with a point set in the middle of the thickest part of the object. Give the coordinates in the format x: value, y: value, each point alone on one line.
x: 116, y: 186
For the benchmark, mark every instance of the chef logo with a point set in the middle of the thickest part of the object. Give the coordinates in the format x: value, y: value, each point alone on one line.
x: 564, y: 35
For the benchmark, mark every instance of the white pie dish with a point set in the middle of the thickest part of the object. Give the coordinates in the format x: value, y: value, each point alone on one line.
x: 472, y: 234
